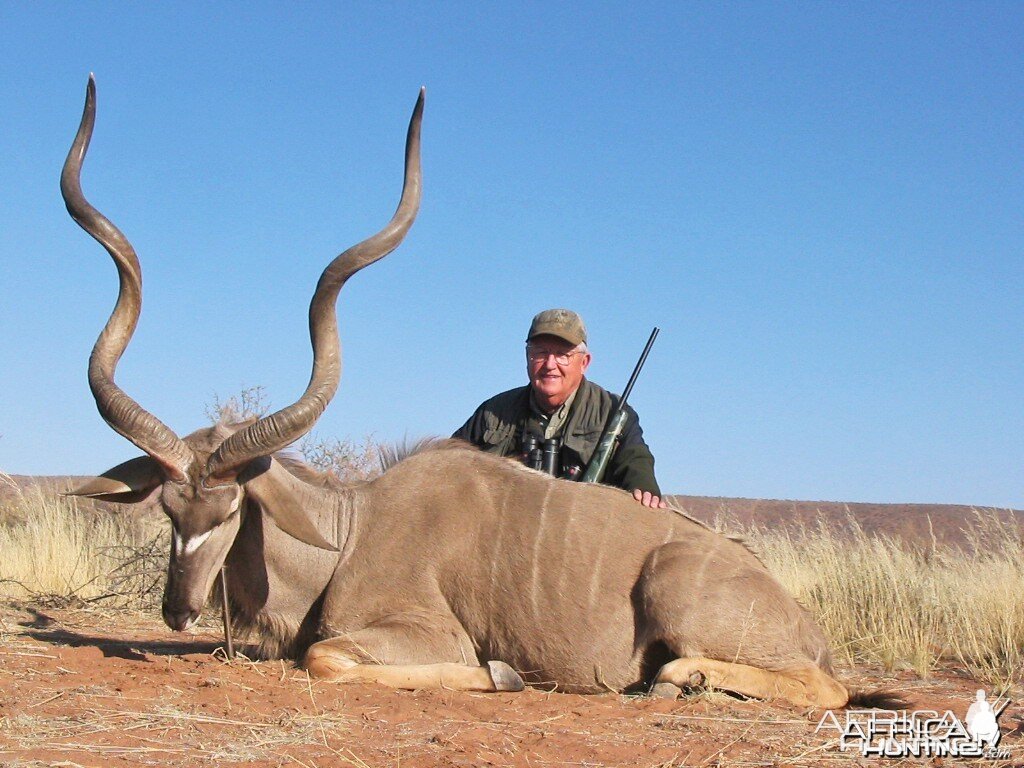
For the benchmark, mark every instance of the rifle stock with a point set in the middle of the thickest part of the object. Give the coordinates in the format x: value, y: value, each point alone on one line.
x: 605, y: 448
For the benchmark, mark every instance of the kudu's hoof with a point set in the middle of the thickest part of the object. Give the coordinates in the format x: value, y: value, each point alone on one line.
x: 666, y: 691
x: 504, y: 677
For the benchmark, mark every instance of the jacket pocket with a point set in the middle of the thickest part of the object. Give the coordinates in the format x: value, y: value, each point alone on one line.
x: 499, y: 436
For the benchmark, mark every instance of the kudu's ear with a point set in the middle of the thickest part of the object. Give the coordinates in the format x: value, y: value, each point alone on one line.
x: 265, y: 481
x: 127, y: 483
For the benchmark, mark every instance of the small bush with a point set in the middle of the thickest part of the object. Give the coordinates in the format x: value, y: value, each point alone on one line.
x: 251, y: 402
x: 347, y: 460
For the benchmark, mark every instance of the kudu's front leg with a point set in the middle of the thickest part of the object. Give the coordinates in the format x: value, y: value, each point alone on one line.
x: 387, y: 655
x: 325, y: 661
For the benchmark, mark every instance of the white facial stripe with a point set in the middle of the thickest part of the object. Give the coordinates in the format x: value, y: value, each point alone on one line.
x: 188, y: 546
x: 184, y: 547
x: 191, y: 545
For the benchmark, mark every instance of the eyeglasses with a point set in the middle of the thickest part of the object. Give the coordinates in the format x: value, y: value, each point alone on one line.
x: 539, y: 354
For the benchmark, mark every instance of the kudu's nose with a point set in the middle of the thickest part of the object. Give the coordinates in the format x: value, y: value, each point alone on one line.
x: 179, y: 620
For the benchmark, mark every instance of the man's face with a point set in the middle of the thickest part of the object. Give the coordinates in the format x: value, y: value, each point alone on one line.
x: 553, y: 381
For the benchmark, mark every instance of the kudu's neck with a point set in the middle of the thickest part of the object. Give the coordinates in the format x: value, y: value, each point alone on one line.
x: 276, y: 583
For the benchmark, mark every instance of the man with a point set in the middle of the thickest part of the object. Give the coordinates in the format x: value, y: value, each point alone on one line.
x: 561, y: 403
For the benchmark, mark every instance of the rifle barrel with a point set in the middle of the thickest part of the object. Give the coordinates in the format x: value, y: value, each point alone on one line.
x: 639, y: 365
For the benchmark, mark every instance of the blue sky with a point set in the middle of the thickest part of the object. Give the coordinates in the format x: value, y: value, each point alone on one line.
x: 819, y: 204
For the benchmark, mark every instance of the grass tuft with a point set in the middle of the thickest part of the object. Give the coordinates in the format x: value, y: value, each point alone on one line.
x: 56, y: 550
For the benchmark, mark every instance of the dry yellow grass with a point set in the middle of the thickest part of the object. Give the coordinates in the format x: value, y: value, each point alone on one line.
x: 882, y: 601
x: 879, y: 600
x: 55, y: 549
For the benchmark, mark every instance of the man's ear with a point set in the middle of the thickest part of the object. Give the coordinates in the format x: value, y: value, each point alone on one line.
x: 268, y: 485
x: 127, y: 483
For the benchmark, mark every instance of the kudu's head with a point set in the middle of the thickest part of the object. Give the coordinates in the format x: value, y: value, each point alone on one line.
x: 202, y: 482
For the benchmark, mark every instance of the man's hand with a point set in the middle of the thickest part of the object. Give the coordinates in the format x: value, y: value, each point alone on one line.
x: 648, y: 499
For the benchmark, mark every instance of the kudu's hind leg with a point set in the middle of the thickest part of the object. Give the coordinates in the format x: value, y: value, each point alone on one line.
x: 394, y: 653
x: 805, y: 686
x: 732, y: 625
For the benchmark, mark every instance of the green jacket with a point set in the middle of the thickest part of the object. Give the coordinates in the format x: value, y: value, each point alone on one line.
x: 497, y: 427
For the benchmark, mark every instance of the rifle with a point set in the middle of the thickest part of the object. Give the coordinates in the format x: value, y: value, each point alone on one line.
x: 616, y: 423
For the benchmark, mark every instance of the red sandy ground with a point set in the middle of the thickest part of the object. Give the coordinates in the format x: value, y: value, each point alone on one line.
x: 91, y: 688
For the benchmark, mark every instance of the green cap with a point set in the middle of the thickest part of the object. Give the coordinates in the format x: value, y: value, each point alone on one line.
x: 563, y: 323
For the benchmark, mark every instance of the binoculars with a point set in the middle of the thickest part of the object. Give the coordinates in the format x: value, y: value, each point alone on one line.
x: 543, y: 455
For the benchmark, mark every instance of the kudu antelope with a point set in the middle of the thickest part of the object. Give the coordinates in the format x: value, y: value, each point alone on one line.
x: 454, y: 568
